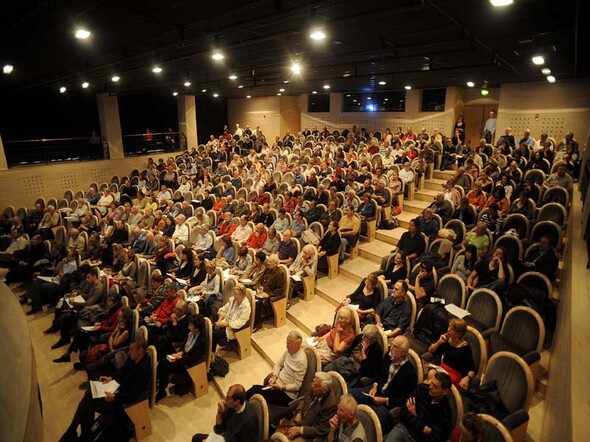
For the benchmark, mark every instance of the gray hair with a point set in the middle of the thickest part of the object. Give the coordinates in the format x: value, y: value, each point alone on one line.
x: 295, y: 336
x: 325, y: 380
x: 349, y: 403
x: 371, y: 332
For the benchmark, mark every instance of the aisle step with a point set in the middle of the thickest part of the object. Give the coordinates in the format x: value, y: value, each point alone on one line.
x: 435, y: 184
x: 270, y: 342
x: 247, y: 372
x: 375, y: 250
x: 426, y: 195
x: 389, y: 239
x: 308, y: 314
x: 405, y: 217
x: 335, y: 290
x: 415, y: 207
x: 358, y: 268
x: 443, y: 174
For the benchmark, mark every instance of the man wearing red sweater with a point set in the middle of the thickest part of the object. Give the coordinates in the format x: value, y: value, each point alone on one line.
x: 162, y: 314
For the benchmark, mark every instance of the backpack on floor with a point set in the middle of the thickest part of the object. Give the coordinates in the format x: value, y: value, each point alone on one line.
x: 219, y: 367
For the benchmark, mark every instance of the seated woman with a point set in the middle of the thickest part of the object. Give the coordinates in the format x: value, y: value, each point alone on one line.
x: 204, y: 242
x: 100, y: 358
x: 499, y: 198
x: 208, y: 293
x: 192, y: 353
x: 242, y: 264
x: 169, y: 226
x: 479, y: 238
x: 227, y: 251
x: 232, y: 316
x: 523, y: 206
x: 367, y: 297
x: 252, y: 276
x: 164, y: 259
x: 126, y: 278
x: 338, y: 339
x: 465, y: 263
x: 491, y: 273
x: 187, y: 265
x: 304, y: 265
x: 397, y: 268
x: 455, y: 354
x: 362, y: 363
x: 329, y: 245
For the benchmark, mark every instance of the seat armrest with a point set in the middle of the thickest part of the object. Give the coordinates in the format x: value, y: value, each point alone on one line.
x: 531, y: 357
x: 488, y: 333
x: 516, y: 419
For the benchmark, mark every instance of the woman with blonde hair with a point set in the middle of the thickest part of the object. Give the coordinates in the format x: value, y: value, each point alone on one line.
x: 338, y: 339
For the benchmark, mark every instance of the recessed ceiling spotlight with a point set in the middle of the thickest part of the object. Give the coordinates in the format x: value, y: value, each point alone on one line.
x: 546, y: 71
x: 248, y: 96
x: 85, y: 85
x: 317, y: 34
x: 82, y: 34
x: 187, y: 83
x: 470, y: 84
x: 408, y: 87
x: 286, y: 81
x: 241, y: 86
x: 551, y: 79
x: 382, y: 83
x: 538, y: 60
x: 156, y: 69
x: 281, y: 90
x: 314, y: 92
x: 369, y: 98
x: 217, y: 56
x: 115, y: 78
x: 203, y: 90
x: 500, y: 3
x: 63, y: 89
x: 296, y: 68
x: 348, y: 95
x: 326, y: 86
x: 279, y: 94
x: 233, y: 77
x: 7, y: 69
x: 175, y: 94
x: 215, y: 95
x: 485, y: 92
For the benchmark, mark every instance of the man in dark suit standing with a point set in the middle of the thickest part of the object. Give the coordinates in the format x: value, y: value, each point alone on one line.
x: 236, y: 420
x: 133, y: 380
x: 394, y: 385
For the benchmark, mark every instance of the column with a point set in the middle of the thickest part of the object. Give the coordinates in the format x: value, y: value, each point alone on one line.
x: 3, y: 163
x: 187, y: 119
x: 110, y: 123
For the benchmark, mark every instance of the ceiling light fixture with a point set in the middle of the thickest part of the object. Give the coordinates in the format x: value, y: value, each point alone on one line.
x: 248, y: 96
x: 203, y: 90
x: 233, y: 77
x: 115, y: 78
x: 382, y: 83
x: 156, y: 69
x: 317, y: 34
x: 187, y: 83
x: 470, y: 84
x: 408, y: 87
x: 538, y: 60
x: 281, y: 90
x: 279, y: 94
x: 217, y: 56
x: 63, y: 89
x: 7, y: 69
x: 286, y: 81
x: 82, y: 34
x: 174, y: 94
x: 551, y: 79
x: 296, y: 68
x: 241, y: 86
x: 485, y: 92
x: 326, y: 86
x: 546, y: 71
x: 500, y: 3
x: 85, y: 85
x: 215, y: 95
x: 314, y: 92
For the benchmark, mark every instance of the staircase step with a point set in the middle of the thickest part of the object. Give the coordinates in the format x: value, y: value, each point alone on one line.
x: 434, y: 184
x: 358, y: 268
x: 405, y: 217
x: 426, y: 195
x: 335, y: 290
x: 241, y: 371
x: 415, y: 207
x: 270, y: 342
x: 375, y: 250
x: 391, y: 237
x: 307, y: 314
x: 443, y: 174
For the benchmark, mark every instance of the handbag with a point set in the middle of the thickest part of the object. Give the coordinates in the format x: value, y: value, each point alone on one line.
x: 309, y: 237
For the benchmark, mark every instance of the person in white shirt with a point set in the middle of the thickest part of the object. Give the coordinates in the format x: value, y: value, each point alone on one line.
x: 234, y: 315
x: 181, y: 229
x: 243, y: 231
x: 203, y: 241
x: 185, y: 185
x: 104, y: 202
x: 164, y: 194
x: 407, y: 174
x: 239, y: 131
x: 134, y: 216
x: 287, y: 375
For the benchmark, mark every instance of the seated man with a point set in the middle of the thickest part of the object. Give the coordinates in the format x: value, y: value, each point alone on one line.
x: 302, y: 266
x: 287, y: 375
x: 133, y: 379
x: 442, y: 207
x: 162, y: 315
x: 345, y: 425
x: 428, y: 224
x: 287, y: 249
x: 297, y: 226
x: 543, y: 260
x: 243, y: 231
x: 560, y: 179
x: 270, y: 288
x: 397, y: 380
x: 236, y: 420
x: 367, y: 211
x: 411, y: 242
x: 313, y: 213
x: 421, y: 282
x: 312, y: 412
x: 491, y: 273
x: 393, y: 314
x: 426, y: 416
